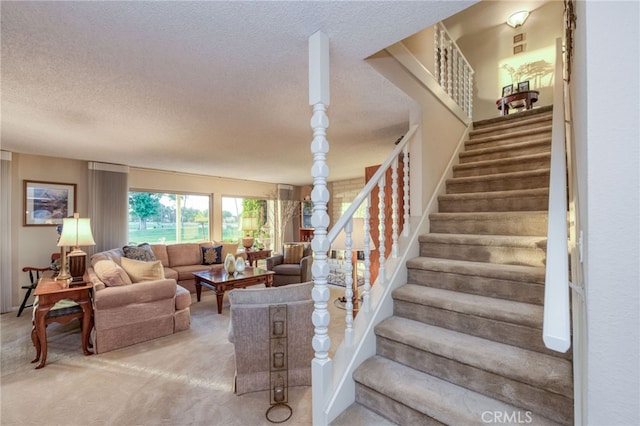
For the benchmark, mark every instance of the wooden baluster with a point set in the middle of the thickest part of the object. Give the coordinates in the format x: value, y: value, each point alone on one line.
x: 366, y: 296
x: 405, y: 194
x: 394, y: 208
x: 348, y: 282
x: 381, y: 227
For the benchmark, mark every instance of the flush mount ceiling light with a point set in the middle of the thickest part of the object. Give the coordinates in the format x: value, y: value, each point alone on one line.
x: 517, y: 19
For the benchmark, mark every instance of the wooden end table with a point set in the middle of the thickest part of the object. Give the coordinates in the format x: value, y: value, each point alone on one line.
x: 49, y: 292
x: 220, y: 281
x: 254, y: 255
x: 528, y: 98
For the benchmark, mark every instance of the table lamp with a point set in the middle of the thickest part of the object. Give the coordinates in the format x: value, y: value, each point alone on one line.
x: 357, y: 244
x: 249, y: 224
x: 76, y: 232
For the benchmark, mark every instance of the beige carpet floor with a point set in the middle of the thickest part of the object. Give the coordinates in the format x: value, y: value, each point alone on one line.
x: 182, y: 379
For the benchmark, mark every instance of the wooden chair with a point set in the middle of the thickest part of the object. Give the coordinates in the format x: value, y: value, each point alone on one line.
x: 34, y: 276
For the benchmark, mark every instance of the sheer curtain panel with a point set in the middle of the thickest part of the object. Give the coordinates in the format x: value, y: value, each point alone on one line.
x: 5, y: 225
x: 108, y: 204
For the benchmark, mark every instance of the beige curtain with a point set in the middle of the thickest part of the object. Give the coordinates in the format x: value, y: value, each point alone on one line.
x: 108, y: 205
x: 5, y: 224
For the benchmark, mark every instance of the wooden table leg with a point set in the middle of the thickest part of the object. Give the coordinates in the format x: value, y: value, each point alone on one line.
x: 198, y: 289
x: 86, y: 325
x: 269, y: 280
x: 41, y: 335
x: 220, y: 298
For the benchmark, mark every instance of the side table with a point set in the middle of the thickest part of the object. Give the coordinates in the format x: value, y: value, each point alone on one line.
x: 254, y: 255
x: 50, y: 291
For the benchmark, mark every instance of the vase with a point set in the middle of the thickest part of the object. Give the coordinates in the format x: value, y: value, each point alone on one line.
x: 230, y: 263
x: 240, y: 265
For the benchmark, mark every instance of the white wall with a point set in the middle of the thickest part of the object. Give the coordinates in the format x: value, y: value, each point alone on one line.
x: 607, y: 136
x: 488, y: 50
x: 441, y: 130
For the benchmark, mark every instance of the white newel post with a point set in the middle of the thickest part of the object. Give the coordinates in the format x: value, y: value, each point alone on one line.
x: 319, y: 100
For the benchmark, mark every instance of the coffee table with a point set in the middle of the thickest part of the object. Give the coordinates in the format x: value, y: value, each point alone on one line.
x: 220, y: 281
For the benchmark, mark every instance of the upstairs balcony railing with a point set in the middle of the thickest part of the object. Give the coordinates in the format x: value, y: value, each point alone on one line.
x: 452, y: 70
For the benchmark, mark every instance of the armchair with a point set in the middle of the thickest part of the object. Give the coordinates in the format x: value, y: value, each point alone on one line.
x: 293, y: 265
x: 250, y: 334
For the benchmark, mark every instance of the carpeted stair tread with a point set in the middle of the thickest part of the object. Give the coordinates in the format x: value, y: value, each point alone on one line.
x: 502, y: 165
x: 514, y: 149
x: 525, y: 223
x: 495, y: 249
x: 485, y: 240
x: 515, y: 119
x: 508, y: 139
x: 524, y: 314
x: 473, y: 269
x: 447, y: 403
x: 527, y: 179
x: 540, y: 370
x: 514, y: 200
x: 359, y: 415
x: 523, y: 124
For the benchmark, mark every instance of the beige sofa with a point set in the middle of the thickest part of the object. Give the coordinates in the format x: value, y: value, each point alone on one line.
x: 181, y: 260
x: 127, y: 312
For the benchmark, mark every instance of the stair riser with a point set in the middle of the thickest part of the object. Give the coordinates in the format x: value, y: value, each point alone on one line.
x: 517, y: 291
x: 514, y: 120
x: 506, y: 204
x: 499, y: 131
x: 500, y: 183
x: 525, y: 225
x: 471, y: 156
x: 392, y: 409
x: 498, y: 331
x: 528, y: 256
x: 543, y: 402
x: 507, y: 166
x: 504, y: 143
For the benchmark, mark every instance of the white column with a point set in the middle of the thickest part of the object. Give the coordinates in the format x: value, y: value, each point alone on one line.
x: 319, y: 100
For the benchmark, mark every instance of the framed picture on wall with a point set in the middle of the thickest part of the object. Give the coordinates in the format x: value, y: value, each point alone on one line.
x: 523, y: 86
x: 47, y: 203
x: 507, y: 90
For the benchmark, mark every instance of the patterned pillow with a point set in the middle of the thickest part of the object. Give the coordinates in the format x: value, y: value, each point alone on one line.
x: 211, y: 255
x: 293, y: 253
x: 142, y: 252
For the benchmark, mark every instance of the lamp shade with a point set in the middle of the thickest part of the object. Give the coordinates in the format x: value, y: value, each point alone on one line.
x: 250, y: 224
x: 517, y: 19
x: 76, y: 232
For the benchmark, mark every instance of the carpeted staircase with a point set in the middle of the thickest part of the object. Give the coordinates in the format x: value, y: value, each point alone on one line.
x: 464, y: 345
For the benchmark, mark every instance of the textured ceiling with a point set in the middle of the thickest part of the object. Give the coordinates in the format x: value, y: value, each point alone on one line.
x: 215, y: 88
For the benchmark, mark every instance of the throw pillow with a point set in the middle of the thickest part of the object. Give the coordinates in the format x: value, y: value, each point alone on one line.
x: 293, y: 253
x: 211, y: 255
x: 141, y: 252
x: 229, y: 248
x: 143, y: 271
x: 111, y: 274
